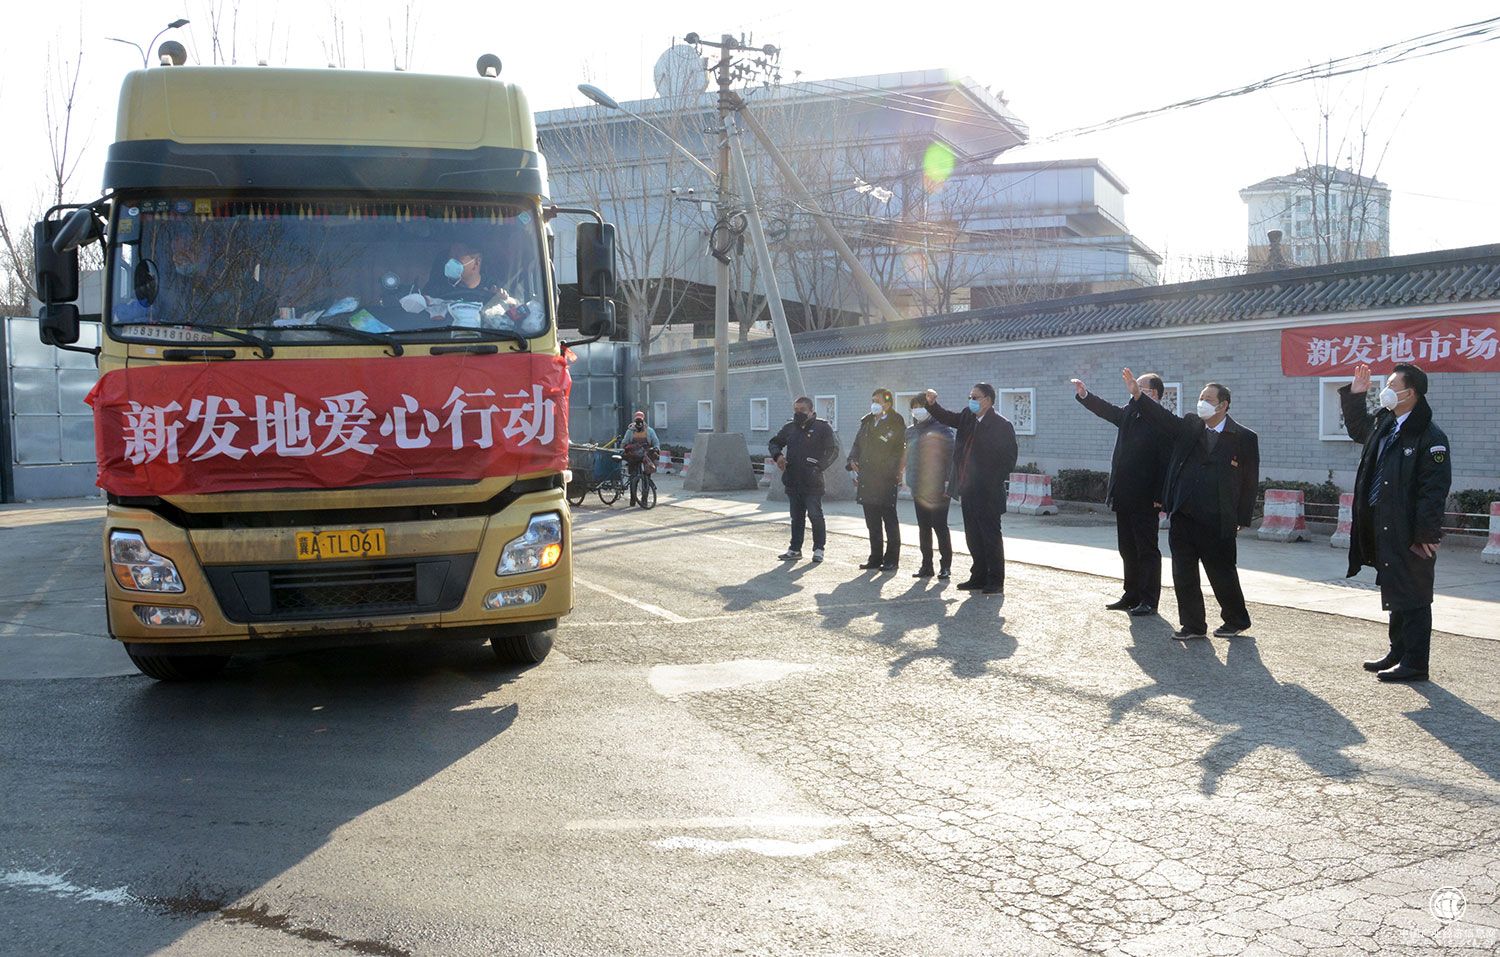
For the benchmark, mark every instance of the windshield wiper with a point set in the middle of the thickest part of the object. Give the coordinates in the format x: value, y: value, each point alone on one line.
x: 472, y: 334
x: 392, y: 346
x: 263, y: 348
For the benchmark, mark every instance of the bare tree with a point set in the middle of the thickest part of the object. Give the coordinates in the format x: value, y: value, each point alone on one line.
x: 628, y: 172
x: 1338, y: 192
x: 402, y: 51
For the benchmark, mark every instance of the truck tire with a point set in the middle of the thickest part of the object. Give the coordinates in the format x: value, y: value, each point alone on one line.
x: 529, y: 649
x: 179, y: 667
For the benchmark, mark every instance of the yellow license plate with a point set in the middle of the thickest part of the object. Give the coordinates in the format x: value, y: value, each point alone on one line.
x: 341, y: 543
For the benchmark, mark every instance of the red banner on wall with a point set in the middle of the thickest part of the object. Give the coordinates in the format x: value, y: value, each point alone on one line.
x: 1461, y: 344
x: 328, y: 423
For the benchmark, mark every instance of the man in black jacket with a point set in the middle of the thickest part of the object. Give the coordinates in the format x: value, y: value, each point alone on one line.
x: 1210, y: 493
x: 1135, y: 478
x: 875, y: 459
x: 1399, y: 495
x: 984, y: 453
x: 803, y: 449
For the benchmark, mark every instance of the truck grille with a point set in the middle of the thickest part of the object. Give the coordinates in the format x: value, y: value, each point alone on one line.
x: 341, y: 591
x: 251, y: 593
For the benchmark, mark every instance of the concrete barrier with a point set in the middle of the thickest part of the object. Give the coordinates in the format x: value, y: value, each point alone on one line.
x: 1491, y: 553
x: 1285, y: 517
x: 1340, y: 538
x: 1016, y: 493
x: 1037, y: 499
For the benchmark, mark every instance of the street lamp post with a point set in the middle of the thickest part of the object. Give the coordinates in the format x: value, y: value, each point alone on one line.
x: 145, y: 60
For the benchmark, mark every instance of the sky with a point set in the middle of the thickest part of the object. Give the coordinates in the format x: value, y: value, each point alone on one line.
x: 1060, y: 65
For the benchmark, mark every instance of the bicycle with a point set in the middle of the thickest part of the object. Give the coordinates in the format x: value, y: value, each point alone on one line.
x: 608, y: 488
x: 642, y: 485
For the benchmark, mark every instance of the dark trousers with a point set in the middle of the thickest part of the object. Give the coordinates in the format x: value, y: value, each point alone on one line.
x: 633, y: 469
x: 1411, y: 636
x: 932, y: 521
x: 1140, y: 550
x: 885, y: 533
x: 1192, y: 542
x: 982, y: 518
x: 805, y: 506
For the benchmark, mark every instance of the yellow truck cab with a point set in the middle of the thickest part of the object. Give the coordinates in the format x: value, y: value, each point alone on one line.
x: 332, y: 405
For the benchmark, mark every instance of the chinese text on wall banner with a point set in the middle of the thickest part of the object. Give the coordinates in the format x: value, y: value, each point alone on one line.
x: 328, y: 423
x: 1462, y: 344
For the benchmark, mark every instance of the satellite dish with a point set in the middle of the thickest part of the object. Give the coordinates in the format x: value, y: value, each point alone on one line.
x: 680, y: 71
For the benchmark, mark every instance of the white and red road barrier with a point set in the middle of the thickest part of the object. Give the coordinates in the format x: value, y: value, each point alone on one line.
x: 1340, y: 537
x: 1163, y: 520
x: 1285, y: 517
x: 1037, y: 499
x: 1491, y: 553
x: 1016, y: 492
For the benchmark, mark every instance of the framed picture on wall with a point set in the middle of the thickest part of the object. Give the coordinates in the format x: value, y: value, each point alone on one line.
x: 1018, y: 405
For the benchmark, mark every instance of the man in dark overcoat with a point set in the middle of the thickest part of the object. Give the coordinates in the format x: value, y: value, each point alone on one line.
x: 803, y: 450
x: 1400, y: 492
x: 875, y: 459
x: 1136, y: 472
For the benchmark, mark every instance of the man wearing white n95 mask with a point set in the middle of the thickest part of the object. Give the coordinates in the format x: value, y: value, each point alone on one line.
x: 1210, y: 493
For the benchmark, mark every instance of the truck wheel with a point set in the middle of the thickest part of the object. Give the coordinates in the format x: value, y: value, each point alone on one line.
x: 179, y: 667
x: 522, y: 649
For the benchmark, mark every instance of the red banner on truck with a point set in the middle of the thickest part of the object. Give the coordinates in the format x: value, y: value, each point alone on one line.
x: 1448, y: 344
x: 328, y: 423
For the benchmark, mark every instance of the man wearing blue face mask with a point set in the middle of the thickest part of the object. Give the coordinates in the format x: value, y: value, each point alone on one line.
x: 984, y: 455
x: 461, y: 277
x: 1209, y: 491
x: 1399, y: 495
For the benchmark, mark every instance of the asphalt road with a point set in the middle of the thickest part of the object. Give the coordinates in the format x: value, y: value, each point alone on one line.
x: 727, y: 755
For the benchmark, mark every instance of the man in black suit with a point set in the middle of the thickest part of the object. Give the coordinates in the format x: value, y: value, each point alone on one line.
x: 1135, y: 478
x: 1210, y: 494
x: 984, y: 453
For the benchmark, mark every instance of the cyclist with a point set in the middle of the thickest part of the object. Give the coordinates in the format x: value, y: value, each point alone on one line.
x: 640, y: 448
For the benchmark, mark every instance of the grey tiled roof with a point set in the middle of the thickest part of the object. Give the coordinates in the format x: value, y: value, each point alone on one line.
x: 1453, y: 275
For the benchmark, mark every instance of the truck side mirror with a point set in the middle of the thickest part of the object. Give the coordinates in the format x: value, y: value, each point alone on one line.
x: 596, y: 317
x: 80, y: 228
x: 59, y: 324
x: 596, y: 260
x: 56, y: 272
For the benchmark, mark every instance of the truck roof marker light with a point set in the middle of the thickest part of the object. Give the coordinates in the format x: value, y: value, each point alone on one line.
x: 172, y: 53
x: 488, y: 66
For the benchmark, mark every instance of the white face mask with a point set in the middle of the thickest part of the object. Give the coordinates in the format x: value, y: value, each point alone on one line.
x: 1390, y: 398
x: 1206, y: 409
x: 919, y: 415
x: 876, y: 408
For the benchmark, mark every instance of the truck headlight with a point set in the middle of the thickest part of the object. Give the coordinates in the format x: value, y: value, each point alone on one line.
x: 540, y: 547
x: 138, y: 568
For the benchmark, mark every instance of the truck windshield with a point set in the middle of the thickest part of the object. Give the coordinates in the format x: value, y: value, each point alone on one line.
x: 299, y: 269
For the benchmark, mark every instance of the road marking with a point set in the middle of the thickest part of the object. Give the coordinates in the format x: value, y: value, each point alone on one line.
x: 764, y: 821
x: 764, y: 846
x: 645, y: 606
x: 58, y: 886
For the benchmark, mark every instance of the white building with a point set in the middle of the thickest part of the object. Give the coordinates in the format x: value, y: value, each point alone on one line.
x: 902, y: 163
x: 1324, y: 215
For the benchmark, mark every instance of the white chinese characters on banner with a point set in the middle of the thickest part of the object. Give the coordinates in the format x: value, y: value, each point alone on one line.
x: 281, y: 427
x: 1434, y: 346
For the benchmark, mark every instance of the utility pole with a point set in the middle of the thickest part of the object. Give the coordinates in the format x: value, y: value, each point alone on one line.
x: 721, y: 265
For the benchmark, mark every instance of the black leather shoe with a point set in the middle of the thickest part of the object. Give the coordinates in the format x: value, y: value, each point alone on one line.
x: 1187, y: 633
x: 924, y: 572
x: 993, y: 590
x: 868, y: 565
x: 970, y: 585
x: 1403, y: 673
x: 1121, y: 605
x: 1229, y: 631
x: 889, y: 566
x: 1143, y: 611
x: 943, y: 573
x: 1380, y: 664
